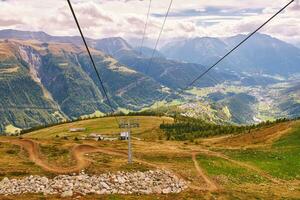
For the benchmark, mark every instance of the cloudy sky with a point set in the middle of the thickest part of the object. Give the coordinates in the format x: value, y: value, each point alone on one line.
x: 126, y: 18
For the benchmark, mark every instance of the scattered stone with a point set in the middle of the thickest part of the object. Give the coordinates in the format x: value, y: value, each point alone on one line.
x: 166, y: 190
x: 103, y: 184
x: 67, y: 193
x: 148, y: 182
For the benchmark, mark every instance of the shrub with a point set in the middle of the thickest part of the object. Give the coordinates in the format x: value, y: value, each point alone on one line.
x: 11, y: 151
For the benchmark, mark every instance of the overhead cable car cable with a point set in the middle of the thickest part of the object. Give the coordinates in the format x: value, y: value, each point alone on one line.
x: 158, y: 38
x: 145, y: 28
x: 92, y: 61
x: 181, y: 90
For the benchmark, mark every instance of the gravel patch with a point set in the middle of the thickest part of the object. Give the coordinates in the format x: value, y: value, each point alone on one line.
x: 149, y: 182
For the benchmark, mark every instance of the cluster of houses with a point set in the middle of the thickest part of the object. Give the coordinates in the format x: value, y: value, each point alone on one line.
x: 99, y: 137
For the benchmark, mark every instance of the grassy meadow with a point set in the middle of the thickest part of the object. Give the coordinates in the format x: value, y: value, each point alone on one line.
x: 253, y: 170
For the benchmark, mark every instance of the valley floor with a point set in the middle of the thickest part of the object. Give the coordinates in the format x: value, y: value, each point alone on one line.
x: 259, y: 165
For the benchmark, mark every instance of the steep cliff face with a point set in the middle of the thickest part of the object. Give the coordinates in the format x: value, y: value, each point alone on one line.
x: 23, y: 102
x: 70, y: 86
x: 34, y: 62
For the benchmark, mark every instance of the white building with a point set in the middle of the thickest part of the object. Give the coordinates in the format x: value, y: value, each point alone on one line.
x: 124, y: 136
x: 96, y: 137
x: 77, y: 129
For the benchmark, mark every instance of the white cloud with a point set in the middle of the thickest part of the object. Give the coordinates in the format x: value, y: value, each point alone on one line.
x: 126, y: 18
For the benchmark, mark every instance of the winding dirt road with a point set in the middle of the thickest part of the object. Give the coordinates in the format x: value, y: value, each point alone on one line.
x: 79, y: 155
x: 34, y: 155
x: 241, y: 164
x: 211, y: 186
x: 79, y: 152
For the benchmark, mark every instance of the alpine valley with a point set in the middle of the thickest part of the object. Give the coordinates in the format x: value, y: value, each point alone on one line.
x: 47, y: 79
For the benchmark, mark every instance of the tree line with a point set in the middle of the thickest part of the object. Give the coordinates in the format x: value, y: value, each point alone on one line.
x: 183, y: 128
x: 186, y: 128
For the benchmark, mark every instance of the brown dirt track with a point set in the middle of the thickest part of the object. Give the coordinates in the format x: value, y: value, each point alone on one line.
x: 79, y: 152
x: 254, y: 139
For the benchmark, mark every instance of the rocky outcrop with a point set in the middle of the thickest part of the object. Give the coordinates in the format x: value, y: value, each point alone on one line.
x: 158, y: 182
x: 34, y: 61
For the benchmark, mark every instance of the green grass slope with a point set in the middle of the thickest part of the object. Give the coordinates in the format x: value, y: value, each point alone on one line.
x: 149, y: 128
x: 281, y: 160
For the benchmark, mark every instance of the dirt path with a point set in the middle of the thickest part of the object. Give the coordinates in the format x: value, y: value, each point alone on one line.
x: 211, y: 186
x: 241, y: 164
x: 121, y: 91
x: 34, y: 155
x: 78, y: 153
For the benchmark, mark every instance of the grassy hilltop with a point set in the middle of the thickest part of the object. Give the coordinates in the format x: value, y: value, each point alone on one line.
x: 262, y: 164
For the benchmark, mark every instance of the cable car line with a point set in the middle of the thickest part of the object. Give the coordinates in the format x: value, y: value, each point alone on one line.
x: 238, y: 45
x: 181, y: 90
x: 145, y: 28
x: 92, y: 60
x: 159, y: 36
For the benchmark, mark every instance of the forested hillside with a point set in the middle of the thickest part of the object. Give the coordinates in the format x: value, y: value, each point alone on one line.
x: 48, y: 82
x: 47, y: 79
x: 186, y: 128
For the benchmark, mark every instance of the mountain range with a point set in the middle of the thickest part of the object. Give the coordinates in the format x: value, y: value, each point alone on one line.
x: 262, y: 54
x: 43, y: 83
x: 46, y: 79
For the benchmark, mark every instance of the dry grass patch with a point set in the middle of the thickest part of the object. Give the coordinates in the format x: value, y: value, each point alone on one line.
x: 14, y: 161
x: 104, y: 126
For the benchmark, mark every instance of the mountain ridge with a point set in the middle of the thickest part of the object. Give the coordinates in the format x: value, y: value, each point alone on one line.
x: 261, y: 54
x: 63, y: 83
x: 72, y: 89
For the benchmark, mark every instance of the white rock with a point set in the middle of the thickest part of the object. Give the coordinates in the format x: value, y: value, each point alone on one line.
x: 5, y: 180
x: 121, y: 180
x: 120, y: 183
x: 103, y: 184
x: 68, y: 193
x: 166, y: 190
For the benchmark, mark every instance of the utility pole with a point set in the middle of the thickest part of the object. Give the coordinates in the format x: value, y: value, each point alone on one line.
x: 129, y: 143
x: 127, y: 124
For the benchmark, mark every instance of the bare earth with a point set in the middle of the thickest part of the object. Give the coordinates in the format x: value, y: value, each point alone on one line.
x: 198, y: 178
